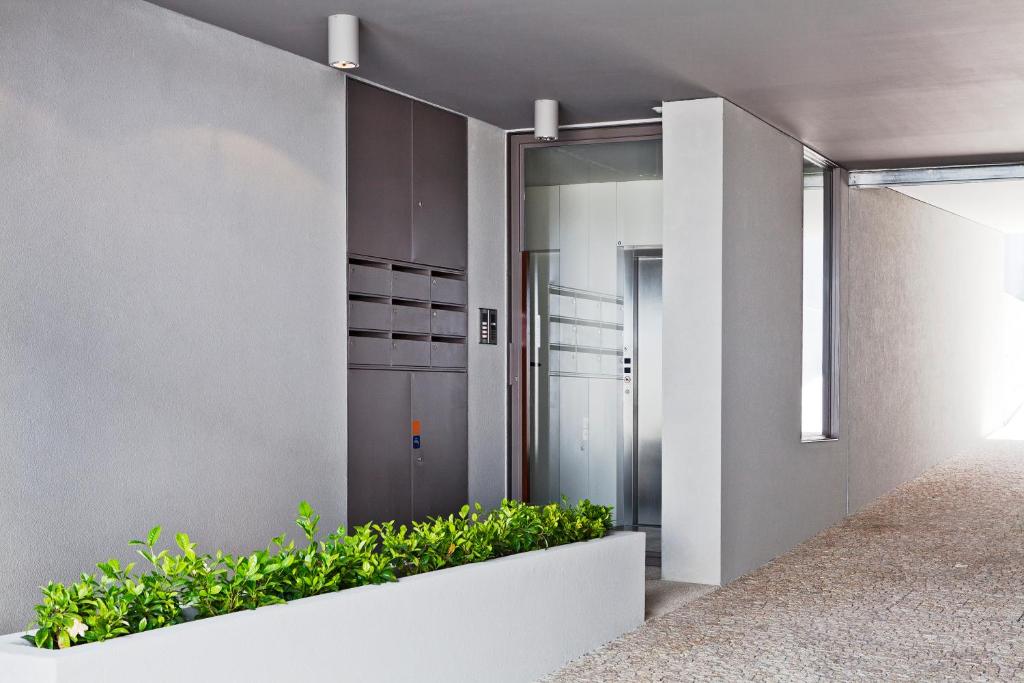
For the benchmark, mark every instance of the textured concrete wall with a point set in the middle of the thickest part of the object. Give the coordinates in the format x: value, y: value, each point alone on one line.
x: 776, y: 490
x: 925, y: 323
x: 172, y: 243
x: 488, y: 281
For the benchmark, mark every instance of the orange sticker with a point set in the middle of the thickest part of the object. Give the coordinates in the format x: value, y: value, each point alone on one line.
x: 415, y: 427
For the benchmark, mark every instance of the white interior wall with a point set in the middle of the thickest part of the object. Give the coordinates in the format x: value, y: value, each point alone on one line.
x: 573, y: 232
x: 613, y: 213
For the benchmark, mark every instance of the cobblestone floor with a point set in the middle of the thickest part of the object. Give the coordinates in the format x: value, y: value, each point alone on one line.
x: 926, y: 584
x: 663, y: 597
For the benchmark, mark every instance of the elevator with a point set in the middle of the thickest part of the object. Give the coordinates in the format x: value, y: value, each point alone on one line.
x: 587, y: 337
x: 640, y: 461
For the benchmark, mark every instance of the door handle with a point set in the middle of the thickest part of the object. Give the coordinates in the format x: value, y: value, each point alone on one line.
x: 509, y: 369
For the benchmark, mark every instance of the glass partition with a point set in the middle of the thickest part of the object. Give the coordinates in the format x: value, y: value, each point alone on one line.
x: 588, y: 209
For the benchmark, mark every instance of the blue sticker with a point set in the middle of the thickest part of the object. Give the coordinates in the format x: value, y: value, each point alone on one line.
x: 416, y: 441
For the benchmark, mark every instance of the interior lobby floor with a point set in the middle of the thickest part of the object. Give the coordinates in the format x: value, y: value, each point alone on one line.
x: 925, y: 584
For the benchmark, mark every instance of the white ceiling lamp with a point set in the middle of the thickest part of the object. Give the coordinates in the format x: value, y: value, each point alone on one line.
x: 343, y: 41
x: 545, y: 119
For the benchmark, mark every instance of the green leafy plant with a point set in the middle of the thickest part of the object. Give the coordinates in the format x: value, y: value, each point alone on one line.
x: 184, y: 585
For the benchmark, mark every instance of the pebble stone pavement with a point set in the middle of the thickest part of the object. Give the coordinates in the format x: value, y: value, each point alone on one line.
x: 924, y: 584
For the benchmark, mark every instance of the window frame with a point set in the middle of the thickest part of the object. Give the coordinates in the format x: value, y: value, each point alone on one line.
x: 830, y: 333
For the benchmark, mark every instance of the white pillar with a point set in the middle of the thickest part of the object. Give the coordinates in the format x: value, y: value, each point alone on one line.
x: 692, y: 367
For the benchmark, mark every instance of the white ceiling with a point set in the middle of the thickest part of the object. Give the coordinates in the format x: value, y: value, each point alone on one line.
x: 998, y: 204
x: 868, y: 83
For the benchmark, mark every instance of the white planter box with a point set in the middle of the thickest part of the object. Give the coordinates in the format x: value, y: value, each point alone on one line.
x: 511, y: 619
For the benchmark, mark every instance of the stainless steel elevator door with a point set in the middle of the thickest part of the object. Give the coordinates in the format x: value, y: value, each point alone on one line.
x: 647, y: 390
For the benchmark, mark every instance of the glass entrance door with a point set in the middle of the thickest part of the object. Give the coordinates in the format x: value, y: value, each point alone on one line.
x: 590, y: 235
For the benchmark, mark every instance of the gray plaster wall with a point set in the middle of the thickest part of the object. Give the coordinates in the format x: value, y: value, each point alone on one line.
x: 487, y: 276
x: 172, y: 315
x: 925, y: 295
x: 739, y: 487
x: 776, y: 490
x: 925, y: 345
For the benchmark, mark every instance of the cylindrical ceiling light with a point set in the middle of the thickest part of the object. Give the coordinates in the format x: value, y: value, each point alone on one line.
x: 545, y: 119
x: 343, y: 41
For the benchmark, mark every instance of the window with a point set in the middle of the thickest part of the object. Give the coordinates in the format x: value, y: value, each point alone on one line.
x: 818, y: 399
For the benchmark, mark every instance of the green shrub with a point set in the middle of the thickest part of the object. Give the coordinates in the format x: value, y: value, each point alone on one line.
x: 185, y: 585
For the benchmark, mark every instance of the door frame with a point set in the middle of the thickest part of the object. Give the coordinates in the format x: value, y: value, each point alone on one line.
x: 518, y: 143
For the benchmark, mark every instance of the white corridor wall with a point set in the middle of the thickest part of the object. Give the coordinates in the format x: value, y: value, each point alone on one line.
x: 926, y: 333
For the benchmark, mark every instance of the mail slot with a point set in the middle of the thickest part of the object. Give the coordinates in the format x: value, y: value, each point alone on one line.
x: 410, y: 352
x: 446, y: 355
x: 447, y: 291
x: 369, y: 351
x: 410, y: 286
x: 411, y: 319
x: 451, y: 323
x: 369, y: 280
x: 368, y: 315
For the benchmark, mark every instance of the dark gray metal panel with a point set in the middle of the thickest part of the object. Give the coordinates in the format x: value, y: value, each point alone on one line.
x: 445, y: 290
x: 440, y: 187
x: 440, y: 466
x: 379, y: 442
x: 410, y: 352
x: 369, y: 350
x: 379, y: 172
x: 368, y: 315
x: 447, y: 355
x: 452, y: 323
x: 369, y: 280
x: 413, y: 319
x: 410, y: 285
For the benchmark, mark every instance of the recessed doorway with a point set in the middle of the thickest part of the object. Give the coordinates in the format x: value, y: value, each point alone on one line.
x: 586, y: 322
